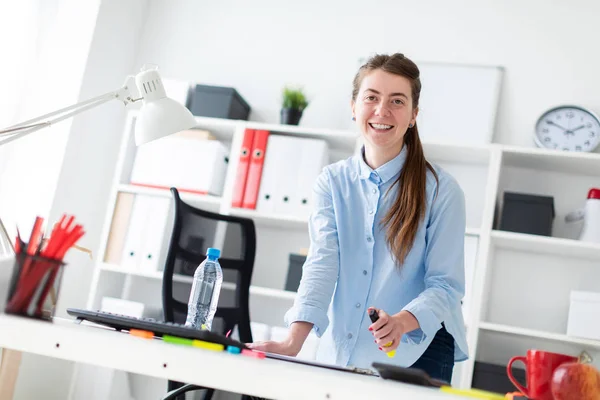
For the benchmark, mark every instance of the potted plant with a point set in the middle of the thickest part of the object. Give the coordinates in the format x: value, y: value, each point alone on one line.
x: 294, y: 103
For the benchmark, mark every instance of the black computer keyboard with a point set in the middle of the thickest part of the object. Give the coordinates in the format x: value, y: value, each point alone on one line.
x: 158, y: 328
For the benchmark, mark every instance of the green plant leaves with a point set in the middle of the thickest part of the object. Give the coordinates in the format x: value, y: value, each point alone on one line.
x: 294, y: 98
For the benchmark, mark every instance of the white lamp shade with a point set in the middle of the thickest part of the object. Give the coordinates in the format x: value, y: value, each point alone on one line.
x: 160, y: 116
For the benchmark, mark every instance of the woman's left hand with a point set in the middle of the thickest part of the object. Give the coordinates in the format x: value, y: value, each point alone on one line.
x: 387, y: 330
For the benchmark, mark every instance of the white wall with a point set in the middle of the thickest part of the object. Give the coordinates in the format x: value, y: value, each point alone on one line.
x: 85, y: 174
x: 91, y: 152
x: 66, y: 28
x: 52, y: 80
x: 547, y: 48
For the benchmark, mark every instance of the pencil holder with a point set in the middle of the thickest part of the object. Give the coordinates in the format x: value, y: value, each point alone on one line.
x: 34, y: 286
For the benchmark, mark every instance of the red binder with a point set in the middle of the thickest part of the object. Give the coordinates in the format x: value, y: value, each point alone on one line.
x: 242, y: 169
x: 257, y: 159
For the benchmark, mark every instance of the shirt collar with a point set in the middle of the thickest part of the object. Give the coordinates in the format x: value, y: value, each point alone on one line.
x: 384, y: 173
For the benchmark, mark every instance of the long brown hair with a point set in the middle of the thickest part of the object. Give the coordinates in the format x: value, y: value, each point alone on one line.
x: 407, y: 211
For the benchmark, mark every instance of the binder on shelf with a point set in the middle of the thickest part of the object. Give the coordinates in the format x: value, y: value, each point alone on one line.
x: 259, y: 148
x: 276, y: 161
x: 242, y: 169
x: 118, y: 228
x: 134, y: 240
x: 156, y: 235
x: 148, y: 232
x: 288, y: 170
x: 314, y: 156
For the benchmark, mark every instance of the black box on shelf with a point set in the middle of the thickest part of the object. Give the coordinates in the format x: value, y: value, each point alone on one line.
x: 493, y: 378
x: 294, y: 274
x: 527, y: 213
x: 217, y: 102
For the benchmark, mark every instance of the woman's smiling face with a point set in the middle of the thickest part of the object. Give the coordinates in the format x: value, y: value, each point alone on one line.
x: 383, y: 109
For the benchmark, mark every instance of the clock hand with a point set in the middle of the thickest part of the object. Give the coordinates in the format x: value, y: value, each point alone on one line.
x: 576, y: 129
x: 550, y: 122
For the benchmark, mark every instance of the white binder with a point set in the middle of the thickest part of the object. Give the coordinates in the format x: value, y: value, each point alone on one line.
x: 134, y: 240
x: 288, y: 172
x: 276, y: 159
x: 156, y: 235
x: 314, y: 156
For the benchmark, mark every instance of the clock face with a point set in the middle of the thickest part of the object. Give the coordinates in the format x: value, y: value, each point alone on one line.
x: 568, y: 128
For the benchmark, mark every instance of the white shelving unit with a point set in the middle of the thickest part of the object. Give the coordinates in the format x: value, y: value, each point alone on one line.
x: 517, y: 284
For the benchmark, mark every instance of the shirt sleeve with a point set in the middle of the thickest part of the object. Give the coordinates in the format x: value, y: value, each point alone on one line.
x: 320, y: 271
x: 444, y: 262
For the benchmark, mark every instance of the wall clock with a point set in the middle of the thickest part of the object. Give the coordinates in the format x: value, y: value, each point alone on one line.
x: 569, y: 128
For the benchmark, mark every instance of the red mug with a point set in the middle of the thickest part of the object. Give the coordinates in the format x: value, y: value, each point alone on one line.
x: 539, y: 367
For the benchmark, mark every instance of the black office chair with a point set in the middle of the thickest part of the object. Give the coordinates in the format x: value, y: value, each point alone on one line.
x: 194, y: 230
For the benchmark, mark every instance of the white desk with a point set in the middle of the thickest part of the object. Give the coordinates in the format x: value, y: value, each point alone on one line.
x: 268, y: 378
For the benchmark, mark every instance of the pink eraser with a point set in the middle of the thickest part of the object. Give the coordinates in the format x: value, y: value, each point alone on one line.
x: 253, y: 353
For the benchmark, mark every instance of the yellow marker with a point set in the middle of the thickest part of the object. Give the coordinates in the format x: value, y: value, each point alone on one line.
x: 207, y: 345
x: 474, y: 393
x: 392, y: 353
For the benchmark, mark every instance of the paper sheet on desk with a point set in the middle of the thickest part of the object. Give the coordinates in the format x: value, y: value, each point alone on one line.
x: 320, y: 364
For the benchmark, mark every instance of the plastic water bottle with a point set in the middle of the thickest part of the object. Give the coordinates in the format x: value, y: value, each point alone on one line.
x: 206, y: 288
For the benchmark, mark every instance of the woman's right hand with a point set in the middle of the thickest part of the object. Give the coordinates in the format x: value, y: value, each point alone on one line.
x: 285, y: 348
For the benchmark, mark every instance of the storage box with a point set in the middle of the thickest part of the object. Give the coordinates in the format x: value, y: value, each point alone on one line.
x: 218, y: 102
x: 527, y: 213
x: 294, y: 274
x: 584, y: 315
x: 189, y: 164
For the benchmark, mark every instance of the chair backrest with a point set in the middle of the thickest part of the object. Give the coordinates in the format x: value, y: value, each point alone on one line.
x: 194, y: 230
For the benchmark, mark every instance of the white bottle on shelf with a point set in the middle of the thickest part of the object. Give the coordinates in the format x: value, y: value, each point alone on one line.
x: 590, y: 216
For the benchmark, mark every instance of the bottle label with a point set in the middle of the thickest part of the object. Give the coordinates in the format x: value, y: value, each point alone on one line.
x: 203, y: 293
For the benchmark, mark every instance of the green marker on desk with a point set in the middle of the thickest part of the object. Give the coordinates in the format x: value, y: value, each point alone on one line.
x: 374, y: 317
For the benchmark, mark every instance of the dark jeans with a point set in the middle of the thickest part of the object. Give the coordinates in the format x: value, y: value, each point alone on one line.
x: 438, y: 359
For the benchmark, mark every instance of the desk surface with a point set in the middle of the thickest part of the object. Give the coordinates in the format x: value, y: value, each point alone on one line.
x: 268, y: 378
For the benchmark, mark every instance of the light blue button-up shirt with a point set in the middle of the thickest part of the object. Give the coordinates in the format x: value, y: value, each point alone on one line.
x: 349, y: 266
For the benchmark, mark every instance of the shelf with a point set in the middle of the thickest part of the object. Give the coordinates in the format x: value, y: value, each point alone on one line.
x: 158, y: 275
x: 221, y: 128
x: 345, y: 139
x: 546, y: 245
x: 265, y: 292
x: 146, y: 274
x: 271, y: 220
x: 557, y: 337
x: 190, y: 197
x: 552, y: 160
x: 472, y: 231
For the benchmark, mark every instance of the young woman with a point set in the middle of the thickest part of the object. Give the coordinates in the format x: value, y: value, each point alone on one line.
x: 387, y: 233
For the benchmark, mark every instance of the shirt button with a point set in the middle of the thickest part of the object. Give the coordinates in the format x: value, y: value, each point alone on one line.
x: 369, y: 238
x: 357, y: 305
x: 364, y: 271
x: 370, y: 212
x: 374, y: 191
x: 349, y: 336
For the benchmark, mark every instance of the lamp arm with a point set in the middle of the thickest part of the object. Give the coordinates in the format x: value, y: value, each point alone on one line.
x: 24, y: 128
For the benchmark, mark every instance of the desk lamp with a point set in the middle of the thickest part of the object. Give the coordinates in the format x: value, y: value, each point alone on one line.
x: 159, y: 115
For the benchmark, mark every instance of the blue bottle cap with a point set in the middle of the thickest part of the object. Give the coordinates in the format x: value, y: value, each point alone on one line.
x: 213, y: 253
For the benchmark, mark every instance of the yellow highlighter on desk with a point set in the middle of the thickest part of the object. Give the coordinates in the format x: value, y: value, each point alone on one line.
x: 474, y: 393
x: 374, y: 317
